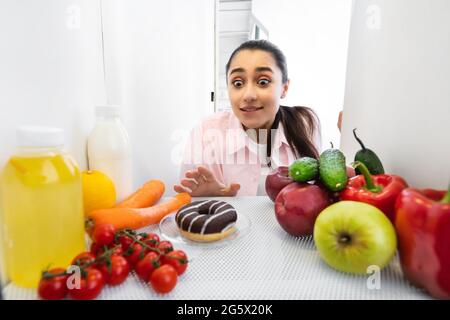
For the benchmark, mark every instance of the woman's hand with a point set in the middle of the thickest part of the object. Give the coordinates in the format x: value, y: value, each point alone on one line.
x: 202, y: 183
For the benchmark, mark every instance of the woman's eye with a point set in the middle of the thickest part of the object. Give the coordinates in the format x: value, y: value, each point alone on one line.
x: 263, y: 82
x: 237, y: 83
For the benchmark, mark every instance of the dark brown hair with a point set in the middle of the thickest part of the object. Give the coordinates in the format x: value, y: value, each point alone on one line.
x: 300, y: 124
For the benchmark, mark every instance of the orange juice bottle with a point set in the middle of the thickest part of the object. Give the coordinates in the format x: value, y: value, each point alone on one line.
x: 42, y: 209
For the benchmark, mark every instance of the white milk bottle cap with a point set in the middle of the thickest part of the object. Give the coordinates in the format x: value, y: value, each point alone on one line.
x: 107, y: 111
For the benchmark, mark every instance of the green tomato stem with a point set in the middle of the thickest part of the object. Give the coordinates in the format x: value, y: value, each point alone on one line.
x: 48, y: 275
x: 367, y: 177
x: 143, y: 244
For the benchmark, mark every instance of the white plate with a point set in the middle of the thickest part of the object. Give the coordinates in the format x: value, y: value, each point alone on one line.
x: 168, y: 229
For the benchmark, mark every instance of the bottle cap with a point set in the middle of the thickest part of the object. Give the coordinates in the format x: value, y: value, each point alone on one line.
x: 107, y: 111
x: 29, y: 136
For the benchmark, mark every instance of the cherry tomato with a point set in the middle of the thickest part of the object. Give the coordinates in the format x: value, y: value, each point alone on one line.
x: 95, y: 248
x: 90, y: 286
x: 165, y: 246
x: 104, y: 234
x: 53, y: 284
x: 137, y: 253
x: 176, y: 259
x: 117, y: 250
x: 150, y: 239
x: 164, y: 279
x: 117, y: 272
x: 145, y: 267
x: 125, y: 242
x: 83, y: 259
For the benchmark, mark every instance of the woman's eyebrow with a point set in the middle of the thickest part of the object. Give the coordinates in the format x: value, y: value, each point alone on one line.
x: 258, y: 69
x: 236, y: 70
x: 262, y: 69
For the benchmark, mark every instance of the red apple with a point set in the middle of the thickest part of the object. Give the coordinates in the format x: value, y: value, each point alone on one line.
x: 277, y: 180
x: 298, y: 205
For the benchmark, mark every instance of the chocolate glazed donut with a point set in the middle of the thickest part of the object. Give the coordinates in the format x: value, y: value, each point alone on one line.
x: 207, y: 220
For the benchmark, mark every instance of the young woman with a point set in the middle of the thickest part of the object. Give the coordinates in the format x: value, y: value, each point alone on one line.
x: 231, y: 153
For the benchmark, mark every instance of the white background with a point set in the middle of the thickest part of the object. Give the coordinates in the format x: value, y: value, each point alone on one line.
x: 159, y: 59
x: 51, y: 69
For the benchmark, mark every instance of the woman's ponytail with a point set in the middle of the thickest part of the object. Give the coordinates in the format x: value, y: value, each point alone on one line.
x: 300, y: 125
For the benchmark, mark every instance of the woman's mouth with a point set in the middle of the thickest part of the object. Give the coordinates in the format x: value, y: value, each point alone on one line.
x: 250, y: 109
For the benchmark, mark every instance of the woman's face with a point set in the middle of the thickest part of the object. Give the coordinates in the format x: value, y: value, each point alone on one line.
x: 255, y: 88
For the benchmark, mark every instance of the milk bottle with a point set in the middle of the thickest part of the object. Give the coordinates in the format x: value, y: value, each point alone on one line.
x: 109, y: 149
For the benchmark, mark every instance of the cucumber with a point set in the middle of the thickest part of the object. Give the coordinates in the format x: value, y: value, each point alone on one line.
x: 368, y: 158
x: 304, y: 169
x: 332, y: 170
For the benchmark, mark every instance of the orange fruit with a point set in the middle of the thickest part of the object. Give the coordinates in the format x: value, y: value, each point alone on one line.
x: 99, y: 191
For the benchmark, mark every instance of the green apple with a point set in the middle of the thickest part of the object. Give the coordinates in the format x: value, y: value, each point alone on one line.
x: 351, y: 236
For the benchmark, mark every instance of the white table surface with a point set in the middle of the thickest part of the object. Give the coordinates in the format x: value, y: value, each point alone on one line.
x: 266, y: 263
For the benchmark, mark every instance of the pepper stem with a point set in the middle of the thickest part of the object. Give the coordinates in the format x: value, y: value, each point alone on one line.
x: 359, y: 140
x: 367, y: 177
x: 446, y: 199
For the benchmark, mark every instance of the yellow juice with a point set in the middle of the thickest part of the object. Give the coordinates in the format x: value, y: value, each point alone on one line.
x: 42, y: 215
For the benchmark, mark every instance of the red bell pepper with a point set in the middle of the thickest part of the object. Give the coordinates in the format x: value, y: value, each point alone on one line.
x: 379, y: 190
x: 423, y: 229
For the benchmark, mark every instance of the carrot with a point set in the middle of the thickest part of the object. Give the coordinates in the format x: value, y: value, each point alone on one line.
x: 145, y: 196
x: 136, y: 218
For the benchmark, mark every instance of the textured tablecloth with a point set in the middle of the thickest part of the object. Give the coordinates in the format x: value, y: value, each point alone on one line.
x: 266, y: 263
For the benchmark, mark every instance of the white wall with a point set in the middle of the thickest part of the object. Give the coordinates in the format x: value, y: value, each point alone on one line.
x: 160, y: 68
x: 398, y: 93
x: 51, y: 69
x: 313, y: 34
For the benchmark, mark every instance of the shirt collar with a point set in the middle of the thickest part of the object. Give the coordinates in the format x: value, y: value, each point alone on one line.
x: 236, y: 136
x: 240, y: 138
x: 280, y: 138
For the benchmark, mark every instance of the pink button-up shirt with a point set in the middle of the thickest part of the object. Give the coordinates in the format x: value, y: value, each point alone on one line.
x: 221, y: 145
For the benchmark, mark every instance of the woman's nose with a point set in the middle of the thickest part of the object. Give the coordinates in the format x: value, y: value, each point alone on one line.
x: 249, y: 93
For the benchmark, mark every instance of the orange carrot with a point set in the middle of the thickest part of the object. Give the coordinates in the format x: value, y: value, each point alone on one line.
x: 136, y: 218
x: 145, y: 196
